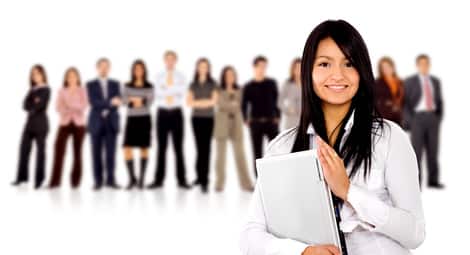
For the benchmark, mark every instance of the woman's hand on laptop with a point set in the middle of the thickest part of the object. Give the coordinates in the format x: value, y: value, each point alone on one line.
x: 333, y: 169
x: 321, y: 250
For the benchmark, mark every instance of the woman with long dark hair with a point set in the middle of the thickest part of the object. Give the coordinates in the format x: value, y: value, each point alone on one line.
x: 368, y: 162
x: 72, y: 102
x: 229, y: 127
x: 36, y: 127
x: 202, y: 97
x: 138, y: 97
x: 389, y: 91
x: 289, y: 101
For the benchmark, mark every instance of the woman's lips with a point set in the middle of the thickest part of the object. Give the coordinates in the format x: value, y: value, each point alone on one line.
x: 337, y: 87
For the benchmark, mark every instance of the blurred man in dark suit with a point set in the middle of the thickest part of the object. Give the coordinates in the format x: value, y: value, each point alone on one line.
x: 104, y: 96
x: 422, y: 116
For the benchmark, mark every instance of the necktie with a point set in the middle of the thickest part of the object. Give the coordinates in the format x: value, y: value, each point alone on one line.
x: 103, y: 86
x: 427, y: 93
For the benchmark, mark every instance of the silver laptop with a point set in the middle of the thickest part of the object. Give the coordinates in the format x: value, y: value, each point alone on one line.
x: 297, y: 202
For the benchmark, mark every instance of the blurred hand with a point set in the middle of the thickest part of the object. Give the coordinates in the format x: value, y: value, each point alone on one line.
x: 321, y: 250
x: 137, y: 102
x: 116, y: 101
x: 333, y: 169
x: 37, y: 100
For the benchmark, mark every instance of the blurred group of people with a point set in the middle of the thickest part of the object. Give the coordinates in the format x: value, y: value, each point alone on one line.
x: 415, y: 104
x: 219, y: 110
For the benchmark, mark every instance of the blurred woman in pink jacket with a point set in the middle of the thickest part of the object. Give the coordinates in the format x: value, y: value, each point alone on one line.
x: 72, y: 102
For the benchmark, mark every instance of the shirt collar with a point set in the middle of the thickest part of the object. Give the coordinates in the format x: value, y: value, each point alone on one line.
x: 103, y: 80
x: 347, y: 127
x: 423, y: 76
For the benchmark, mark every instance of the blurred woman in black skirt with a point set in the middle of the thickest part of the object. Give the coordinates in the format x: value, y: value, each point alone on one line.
x: 137, y: 96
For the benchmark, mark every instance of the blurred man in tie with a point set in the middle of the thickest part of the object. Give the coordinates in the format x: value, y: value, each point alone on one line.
x: 422, y: 116
x: 105, y: 97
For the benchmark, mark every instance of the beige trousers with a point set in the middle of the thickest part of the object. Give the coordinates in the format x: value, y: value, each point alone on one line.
x: 237, y: 145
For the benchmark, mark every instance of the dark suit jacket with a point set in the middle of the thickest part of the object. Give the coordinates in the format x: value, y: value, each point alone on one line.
x: 385, y: 103
x: 98, y: 103
x: 35, y: 104
x: 413, y: 94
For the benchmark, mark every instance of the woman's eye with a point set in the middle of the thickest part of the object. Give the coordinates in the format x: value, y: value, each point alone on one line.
x: 349, y: 64
x: 323, y: 64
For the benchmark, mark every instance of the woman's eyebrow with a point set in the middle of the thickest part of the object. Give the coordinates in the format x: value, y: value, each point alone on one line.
x: 328, y: 57
x: 331, y: 58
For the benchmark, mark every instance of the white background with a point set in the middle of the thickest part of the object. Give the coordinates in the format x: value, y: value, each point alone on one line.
x: 60, y: 34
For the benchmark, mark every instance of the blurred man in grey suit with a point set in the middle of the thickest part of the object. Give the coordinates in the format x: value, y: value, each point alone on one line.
x: 422, y: 116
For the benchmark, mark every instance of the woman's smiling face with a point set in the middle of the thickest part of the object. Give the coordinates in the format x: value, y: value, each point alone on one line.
x: 335, y: 80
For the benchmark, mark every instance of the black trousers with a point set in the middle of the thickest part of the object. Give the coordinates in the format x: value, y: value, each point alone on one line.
x: 105, y: 139
x: 425, y: 135
x: 27, y: 139
x: 203, y: 128
x: 259, y: 130
x: 170, y: 121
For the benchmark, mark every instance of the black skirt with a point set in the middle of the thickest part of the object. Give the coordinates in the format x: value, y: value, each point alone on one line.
x: 138, y: 131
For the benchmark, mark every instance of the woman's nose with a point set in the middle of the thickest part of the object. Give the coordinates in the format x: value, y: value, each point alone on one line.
x: 336, y: 74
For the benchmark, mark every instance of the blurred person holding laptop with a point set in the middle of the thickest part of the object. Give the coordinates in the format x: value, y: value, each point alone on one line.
x: 368, y: 162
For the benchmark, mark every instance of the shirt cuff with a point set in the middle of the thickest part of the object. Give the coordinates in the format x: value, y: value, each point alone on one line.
x: 285, y: 246
x: 369, y: 208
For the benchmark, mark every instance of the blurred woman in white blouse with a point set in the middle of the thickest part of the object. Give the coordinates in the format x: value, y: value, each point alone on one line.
x: 289, y: 101
x: 368, y: 162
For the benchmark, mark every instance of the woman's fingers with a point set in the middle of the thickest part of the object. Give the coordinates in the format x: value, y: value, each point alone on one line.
x: 323, y: 250
x: 321, y: 155
x: 323, y: 148
x: 323, y: 161
x: 333, y: 249
x: 330, y: 151
x: 330, y: 154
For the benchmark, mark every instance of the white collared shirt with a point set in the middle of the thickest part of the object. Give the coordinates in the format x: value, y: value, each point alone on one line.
x: 177, y: 90
x: 104, y: 86
x: 421, y: 105
x: 383, y: 215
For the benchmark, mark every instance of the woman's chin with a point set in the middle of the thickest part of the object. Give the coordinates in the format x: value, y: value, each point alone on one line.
x: 338, y: 101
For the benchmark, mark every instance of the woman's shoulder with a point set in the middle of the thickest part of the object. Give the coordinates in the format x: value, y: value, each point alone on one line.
x: 393, y: 128
x: 44, y: 88
x: 287, y: 83
x: 192, y: 85
x: 148, y: 85
x: 282, y: 143
x: 61, y: 90
x: 214, y: 85
x: 81, y: 89
x: 390, y: 132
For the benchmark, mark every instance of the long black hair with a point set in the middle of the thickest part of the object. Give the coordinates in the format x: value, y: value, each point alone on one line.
x: 132, y: 83
x: 223, y: 79
x: 196, y: 73
x: 357, y: 149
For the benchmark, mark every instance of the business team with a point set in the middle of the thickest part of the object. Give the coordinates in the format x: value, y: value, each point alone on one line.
x: 416, y: 105
x: 219, y: 110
